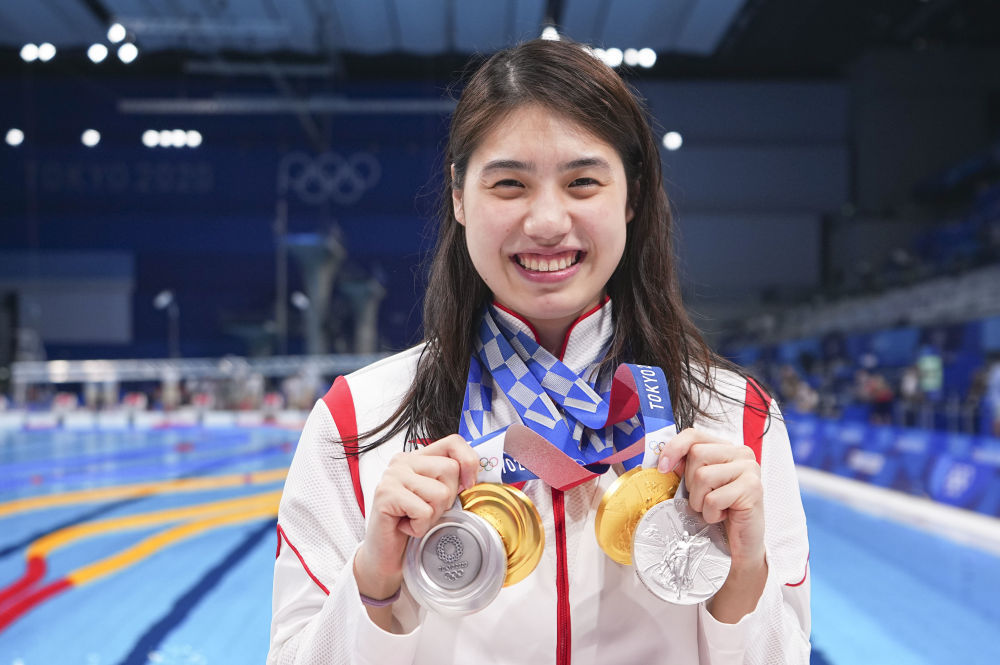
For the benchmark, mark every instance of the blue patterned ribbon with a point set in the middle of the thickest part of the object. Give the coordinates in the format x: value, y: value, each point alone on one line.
x: 558, y: 404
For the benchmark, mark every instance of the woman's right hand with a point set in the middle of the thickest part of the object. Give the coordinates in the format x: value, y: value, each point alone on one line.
x: 416, y: 488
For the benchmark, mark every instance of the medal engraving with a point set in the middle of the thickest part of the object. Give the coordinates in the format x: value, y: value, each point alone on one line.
x: 452, y: 558
x: 678, y: 556
x: 493, y: 537
x: 450, y: 548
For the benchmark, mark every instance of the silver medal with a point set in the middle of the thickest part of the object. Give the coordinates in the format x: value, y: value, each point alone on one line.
x: 458, y: 566
x: 678, y: 556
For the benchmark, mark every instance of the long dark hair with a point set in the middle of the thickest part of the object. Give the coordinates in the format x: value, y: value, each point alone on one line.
x: 651, y: 325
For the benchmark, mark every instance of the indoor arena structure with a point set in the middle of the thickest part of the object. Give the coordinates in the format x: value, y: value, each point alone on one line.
x: 212, y: 209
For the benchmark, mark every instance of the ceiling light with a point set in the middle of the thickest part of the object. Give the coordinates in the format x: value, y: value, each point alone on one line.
x: 127, y: 52
x: 46, y: 52
x: 631, y: 57
x: 647, y: 57
x: 179, y: 138
x: 116, y: 33
x: 151, y: 138
x: 672, y: 140
x: 550, y: 33
x: 29, y: 53
x: 166, y: 138
x: 193, y: 138
x: 97, y: 52
x: 15, y: 137
x: 90, y: 137
x: 613, y: 56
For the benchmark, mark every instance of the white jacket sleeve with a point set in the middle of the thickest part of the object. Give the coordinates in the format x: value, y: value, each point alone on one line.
x: 317, y: 615
x: 777, y: 631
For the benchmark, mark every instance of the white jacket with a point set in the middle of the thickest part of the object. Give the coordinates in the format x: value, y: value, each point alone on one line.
x: 577, y: 597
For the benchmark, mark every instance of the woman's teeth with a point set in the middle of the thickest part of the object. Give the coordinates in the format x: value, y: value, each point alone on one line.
x: 548, y: 263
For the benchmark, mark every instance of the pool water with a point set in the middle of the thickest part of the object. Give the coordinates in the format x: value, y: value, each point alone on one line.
x: 157, y: 546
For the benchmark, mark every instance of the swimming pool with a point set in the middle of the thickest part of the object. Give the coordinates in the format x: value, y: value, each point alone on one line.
x: 157, y: 546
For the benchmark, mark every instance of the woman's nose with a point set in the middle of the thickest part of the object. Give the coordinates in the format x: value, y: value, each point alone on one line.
x: 548, y: 218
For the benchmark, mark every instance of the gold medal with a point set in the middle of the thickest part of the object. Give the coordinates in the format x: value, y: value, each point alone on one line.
x: 513, y: 515
x: 624, y: 504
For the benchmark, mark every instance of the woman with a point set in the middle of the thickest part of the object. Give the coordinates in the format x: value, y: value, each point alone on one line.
x: 555, y: 228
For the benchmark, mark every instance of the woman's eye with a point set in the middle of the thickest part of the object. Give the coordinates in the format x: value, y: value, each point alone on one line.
x: 509, y: 182
x: 583, y: 182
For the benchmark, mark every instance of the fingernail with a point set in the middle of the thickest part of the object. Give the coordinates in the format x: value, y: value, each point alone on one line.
x: 665, y: 465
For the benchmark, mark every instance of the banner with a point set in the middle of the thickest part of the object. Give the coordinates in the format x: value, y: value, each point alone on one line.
x: 961, y: 470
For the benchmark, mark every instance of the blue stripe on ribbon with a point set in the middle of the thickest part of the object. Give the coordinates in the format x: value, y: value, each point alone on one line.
x: 554, y: 401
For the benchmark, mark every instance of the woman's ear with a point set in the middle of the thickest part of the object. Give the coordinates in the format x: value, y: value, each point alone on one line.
x: 633, y: 195
x: 456, y: 199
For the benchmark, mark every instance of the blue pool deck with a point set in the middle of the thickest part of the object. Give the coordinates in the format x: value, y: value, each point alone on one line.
x: 882, y: 592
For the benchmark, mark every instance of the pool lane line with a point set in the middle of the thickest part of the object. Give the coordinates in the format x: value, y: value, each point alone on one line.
x: 95, y: 495
x: 28, y: 467
x: 158, y: 631
x: 106, y: 508
x: 188, y: 462
x: 59, y: 539
x: 265, y: 506
x: 129, y: 557
x: 102, y: 509
x: 37, y: 553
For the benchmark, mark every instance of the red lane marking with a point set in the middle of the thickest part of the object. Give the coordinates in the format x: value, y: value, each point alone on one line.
x: 34, y: 571
x: 12, y: 613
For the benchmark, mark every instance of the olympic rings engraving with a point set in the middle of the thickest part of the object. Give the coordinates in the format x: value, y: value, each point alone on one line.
x: 488, y: 463
x: 328, y: 176
x: 449, y: 548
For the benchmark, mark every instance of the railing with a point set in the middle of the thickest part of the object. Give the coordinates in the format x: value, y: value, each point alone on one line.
x: 110, y: 374
x: 100, y: 371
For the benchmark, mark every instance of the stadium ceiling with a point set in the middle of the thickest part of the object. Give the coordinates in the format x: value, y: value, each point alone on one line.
x: 428, y: 38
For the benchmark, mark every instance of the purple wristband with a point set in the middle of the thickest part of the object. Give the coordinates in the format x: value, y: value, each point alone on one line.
x: 375, y: 602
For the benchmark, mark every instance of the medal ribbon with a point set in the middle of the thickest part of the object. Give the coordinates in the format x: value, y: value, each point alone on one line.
x: 567, y: 421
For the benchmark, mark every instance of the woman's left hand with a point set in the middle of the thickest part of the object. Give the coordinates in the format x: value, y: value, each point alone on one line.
x: 724, y: 485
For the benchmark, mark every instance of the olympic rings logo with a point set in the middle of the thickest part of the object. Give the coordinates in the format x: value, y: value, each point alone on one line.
x: 488, y: 463
x: 328, y: 176
x: 657, y: 446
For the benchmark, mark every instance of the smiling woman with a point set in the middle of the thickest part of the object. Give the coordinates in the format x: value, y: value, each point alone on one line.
x: 557, y: 342
x: 544, y: 206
